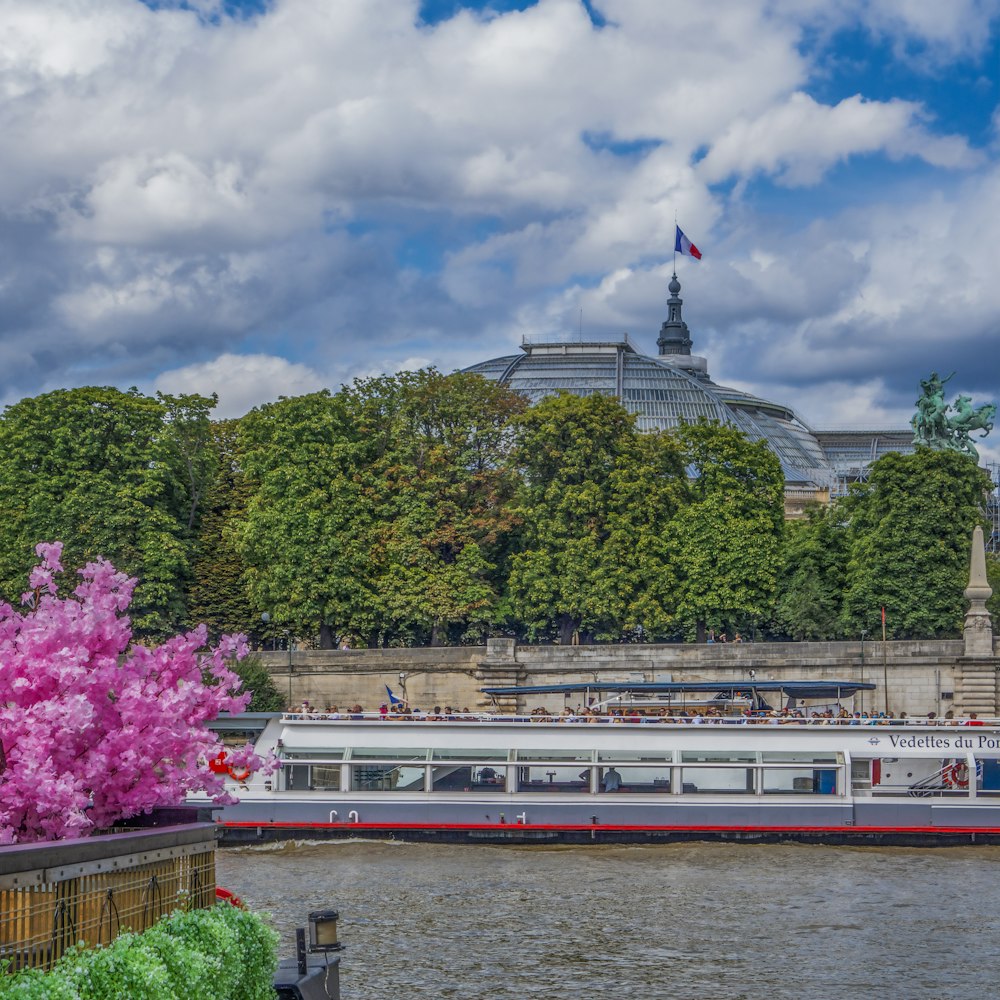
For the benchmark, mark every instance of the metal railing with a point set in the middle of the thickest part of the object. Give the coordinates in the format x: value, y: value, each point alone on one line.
x: 756, y: 718
x: 85, y: 892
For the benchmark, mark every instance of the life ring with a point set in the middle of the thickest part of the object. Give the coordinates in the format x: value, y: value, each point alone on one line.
x: 218, y: 765
x: 957, y: 776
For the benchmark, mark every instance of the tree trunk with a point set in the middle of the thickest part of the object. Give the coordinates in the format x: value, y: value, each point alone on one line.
x: 567, y: 626
x: 438, y: 634
x: 700, y: 631
x: 325, y: 636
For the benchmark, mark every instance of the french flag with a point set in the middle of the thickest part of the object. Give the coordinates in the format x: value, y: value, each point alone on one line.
x: 683, y: 245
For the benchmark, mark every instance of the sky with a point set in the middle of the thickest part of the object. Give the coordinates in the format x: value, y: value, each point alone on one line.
x: 267, y: 197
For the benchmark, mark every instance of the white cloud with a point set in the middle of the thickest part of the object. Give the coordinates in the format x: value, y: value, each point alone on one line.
x: 373, y: 194
x: 242, y: 381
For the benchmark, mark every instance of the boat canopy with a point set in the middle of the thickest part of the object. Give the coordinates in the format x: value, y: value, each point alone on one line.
x: 792, y: 689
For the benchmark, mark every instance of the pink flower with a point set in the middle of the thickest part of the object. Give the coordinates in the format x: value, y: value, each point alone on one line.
x: 94, y: 729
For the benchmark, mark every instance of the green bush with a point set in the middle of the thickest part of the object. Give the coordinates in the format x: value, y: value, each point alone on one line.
x: 224, y: 953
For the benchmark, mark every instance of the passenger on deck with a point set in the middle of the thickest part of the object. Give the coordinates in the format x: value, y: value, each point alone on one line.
x: 612, y: 780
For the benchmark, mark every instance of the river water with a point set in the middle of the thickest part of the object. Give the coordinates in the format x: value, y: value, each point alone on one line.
x: 687, y: 920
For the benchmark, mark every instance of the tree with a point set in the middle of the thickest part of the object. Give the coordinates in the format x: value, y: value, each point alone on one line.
x: 592, y: 556
x: 97, y: 468
x: 910, y: 528
x: 218, y: 593
x: 94, y: 729
x: 728, y: 532
x: 811, y: 590
x: 256, y: 680
x: 442, y: 487
x: 306, y: 537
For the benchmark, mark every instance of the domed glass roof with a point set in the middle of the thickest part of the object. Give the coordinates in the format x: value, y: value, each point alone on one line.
x: 662, y: 391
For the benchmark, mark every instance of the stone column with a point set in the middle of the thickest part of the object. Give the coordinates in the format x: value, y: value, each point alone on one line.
x: 500, y: 668
x: 978, y: 633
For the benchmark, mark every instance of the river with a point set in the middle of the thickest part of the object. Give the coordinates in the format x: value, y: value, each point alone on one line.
x: 687, y: 920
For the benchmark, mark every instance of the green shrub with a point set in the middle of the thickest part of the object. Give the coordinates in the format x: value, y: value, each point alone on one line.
x: 224, y: 953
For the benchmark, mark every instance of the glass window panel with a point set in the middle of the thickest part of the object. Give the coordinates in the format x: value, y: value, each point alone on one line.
x: 550, y: 778
x: 655, y: 778
x: 308, y: 754
x: 448, y: 754
x: 324, y: 778
x: 717, y: 780
x: 387, y: 778
x: 625, y: 756
x: 387, y: 753
x: 802, y: 757
x: 800, y: 781
x: 470, y: 778
x: 584, y: 756
x: 719, y: 756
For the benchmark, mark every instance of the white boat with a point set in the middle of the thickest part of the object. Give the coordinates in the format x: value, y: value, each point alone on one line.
x: 658, y: 776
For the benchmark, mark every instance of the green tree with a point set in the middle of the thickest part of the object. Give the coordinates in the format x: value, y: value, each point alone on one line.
x: 442, y: 487
x: 306, y: 535
x: 256, y: 678
x: 218, y: 593
x: 92, y: 468
x: 592, y: 556
x: 910, y: 530
x: 728, y: 533
x: 811, y: 590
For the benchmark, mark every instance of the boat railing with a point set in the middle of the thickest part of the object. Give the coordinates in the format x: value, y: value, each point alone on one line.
x: 756, y: 718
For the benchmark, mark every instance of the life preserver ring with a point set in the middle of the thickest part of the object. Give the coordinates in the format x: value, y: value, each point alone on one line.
x: 957, y: 776
x: 218, y: 765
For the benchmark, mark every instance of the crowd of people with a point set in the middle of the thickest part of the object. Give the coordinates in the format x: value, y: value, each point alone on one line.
x: 710, y: 715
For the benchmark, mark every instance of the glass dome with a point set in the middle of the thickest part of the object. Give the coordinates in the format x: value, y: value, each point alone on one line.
x: 661, y: 392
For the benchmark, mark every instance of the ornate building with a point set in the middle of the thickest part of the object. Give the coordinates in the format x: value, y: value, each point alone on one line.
x: 675, y: 385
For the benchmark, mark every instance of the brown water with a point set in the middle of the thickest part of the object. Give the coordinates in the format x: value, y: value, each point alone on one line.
x: 685, y: 921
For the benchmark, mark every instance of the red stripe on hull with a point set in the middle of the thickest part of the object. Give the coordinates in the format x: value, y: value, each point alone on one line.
x: 623, y: 827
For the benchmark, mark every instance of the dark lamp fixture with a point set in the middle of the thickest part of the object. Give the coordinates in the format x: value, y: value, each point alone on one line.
x: 323, y: 930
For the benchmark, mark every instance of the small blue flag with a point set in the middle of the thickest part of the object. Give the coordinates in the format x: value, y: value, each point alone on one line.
x: 393, y: 700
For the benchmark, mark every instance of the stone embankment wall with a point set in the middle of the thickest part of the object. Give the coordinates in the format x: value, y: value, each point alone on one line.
x: 922, y: 676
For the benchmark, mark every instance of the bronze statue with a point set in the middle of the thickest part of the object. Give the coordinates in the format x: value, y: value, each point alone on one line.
x: 934, y: 428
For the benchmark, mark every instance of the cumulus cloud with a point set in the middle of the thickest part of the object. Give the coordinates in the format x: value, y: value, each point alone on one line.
x: 323, y: 191
x: 242, y: 381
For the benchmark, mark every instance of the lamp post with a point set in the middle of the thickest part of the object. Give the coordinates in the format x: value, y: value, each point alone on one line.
x: 266, y: 619
x: 862, y: 693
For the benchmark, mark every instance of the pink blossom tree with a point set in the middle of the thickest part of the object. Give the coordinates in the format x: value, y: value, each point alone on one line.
x: 94, y: 729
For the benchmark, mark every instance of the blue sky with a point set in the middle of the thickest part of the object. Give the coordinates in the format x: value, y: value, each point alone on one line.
x: 263, y: 198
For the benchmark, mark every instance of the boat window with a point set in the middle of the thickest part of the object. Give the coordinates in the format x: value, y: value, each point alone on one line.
x: 631, y: 756
x: 470, y: 755
x: 799, y: 781
x: 649, y: 778
x: 308, y: 753
x: 988, y: 775
x: 920, y: 777
x: 719, y: 757
x: 717, y: 780
x: 802, y: 757
x: 549, y: 778
x: 479, y: 778
x: 582, y: 756
x: 387, y: 778
x: 324, y: 779
x: 388, y: 753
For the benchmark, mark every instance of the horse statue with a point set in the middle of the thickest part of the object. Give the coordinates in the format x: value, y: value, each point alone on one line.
x: 967, y: 419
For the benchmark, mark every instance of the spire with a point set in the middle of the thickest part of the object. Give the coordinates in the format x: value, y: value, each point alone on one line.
x: 674, y: 336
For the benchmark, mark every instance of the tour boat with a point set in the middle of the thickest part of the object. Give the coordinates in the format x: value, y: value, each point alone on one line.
x: 738, y: 771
